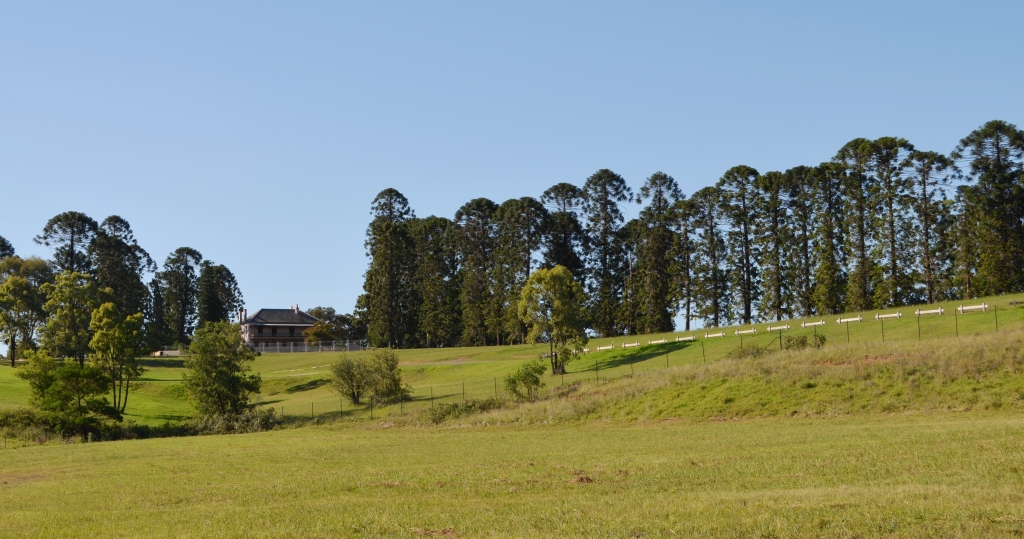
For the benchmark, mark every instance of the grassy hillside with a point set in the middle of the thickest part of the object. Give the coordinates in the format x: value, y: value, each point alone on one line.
x: 903, y: 439
x: 296, y: 383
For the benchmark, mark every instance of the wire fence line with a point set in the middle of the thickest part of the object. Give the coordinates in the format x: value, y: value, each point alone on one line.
x: 659, y: 356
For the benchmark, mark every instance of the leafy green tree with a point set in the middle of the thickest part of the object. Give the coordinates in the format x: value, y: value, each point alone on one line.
x: 892, y: 229
x: 70, y: 301
x: 737, y: 198
x: 994, y: 199
x: 6, y: 249
x: 21, y: 301
x: 391, y: 315
x: 217, y: 367
x: 477, y: 229
x: 857, y: 186
x: 801, y: 205
x: 552, y: 305
x: 158, y: 330
x: 178, y: 289
x: 774, y: 240
x: 930, y: 174
x: 120, y: 264
x: 377, y: 377
x: 630, y: 307
x: 72, y: 395
x: 711, y: 275
x: 830, y: 280
x: 656, y: 253
x: 69, y: 234
x: 437, y: 281
x: 117, y: 342
x: 524, y: 383
x: 605, y: 261
x: 331, y: 326
x: 564, y: 238
x: 217, y: 294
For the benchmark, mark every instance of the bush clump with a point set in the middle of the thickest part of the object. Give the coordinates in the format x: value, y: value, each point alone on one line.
x: 376, y: 377
x: 443, y: 412
x: 524, y: 384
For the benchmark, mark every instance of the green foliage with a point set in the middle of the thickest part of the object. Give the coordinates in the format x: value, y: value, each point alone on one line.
x: 436, y: 281
x: 71, y: 396
x: 120, y: 263
x: 117, y: 342
x: 331, y: 326
x: 217, y: 364
x: 376, y: 377
x: 70, y: 300
x: 390, y: 306
x: 524, y: 384
x: 605, y: 260
x: 563, y: 237
x: 70, y: 234
x: 177, y: 291
x: 445, y: 411
x: 218, y: 297
x: 480, y: 320
x: 552, y: 307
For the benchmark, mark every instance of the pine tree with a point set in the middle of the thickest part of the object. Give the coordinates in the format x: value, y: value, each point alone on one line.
x: 773, y: 239
x: 712, y: 296
x: 178, y: 291
x: 995, y: 201
x: 891, y: 228
x: 605, y: 261
x: 475, y: 221
x: 120, y: 264
x: 799, y: 184
x: 738, y: 195
x: 436, y: 281
x: 655, y: 253
x: 218, y: 296
x: 930, y: 174
x: 830, y: 281
x: 390, y: 308
x: 6, y: 249
x: 69, y: 234
x: 857, y: 186
x: 564, y: 238
x: 519, y: 227
x: 683, y: 215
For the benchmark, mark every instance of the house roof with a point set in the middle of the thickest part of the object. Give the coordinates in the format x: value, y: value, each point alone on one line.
x: 282, y: 317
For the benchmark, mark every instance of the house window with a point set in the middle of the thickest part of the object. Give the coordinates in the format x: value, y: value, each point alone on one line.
x: 273, y: 331
x: 291, y: 332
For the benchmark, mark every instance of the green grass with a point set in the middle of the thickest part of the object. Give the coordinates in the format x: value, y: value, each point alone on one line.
x: 938, y: 475
x: 296, y: 383
x: 901, y: 439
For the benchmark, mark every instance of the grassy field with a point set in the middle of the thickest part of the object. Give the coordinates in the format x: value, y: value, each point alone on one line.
x: 296, y: 384
x: 935, y: 475
x: 905, y: 438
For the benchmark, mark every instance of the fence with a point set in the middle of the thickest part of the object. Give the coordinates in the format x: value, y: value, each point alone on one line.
x: 300, y: 347
x: 626, y: 358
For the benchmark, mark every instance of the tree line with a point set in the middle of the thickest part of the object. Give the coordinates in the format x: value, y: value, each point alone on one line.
x: 880, y: 224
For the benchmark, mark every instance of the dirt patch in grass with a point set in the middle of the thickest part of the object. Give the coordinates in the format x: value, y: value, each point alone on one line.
x: 18, y: 478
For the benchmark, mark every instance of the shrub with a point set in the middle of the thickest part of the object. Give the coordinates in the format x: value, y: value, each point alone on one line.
x: 377, y: 376
x: 524, y: 384
x: 442, y: 412
x: 249, y: 420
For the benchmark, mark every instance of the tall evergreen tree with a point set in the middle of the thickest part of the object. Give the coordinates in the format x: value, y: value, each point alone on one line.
x: 738, y: 195
x: 69, y: 234
x: 390, y: 309
x: 6, y: 249
x: 830, y: 279
x: 217, y: 294
x: 930, y: 176
x: 892, y: 228
x: 655, y: 253
x: 120, y: 264
x: 857, y: 186
x: 711, y: 273
x: 774, y: 240
x: 475, y: 220
x: 158, y: 330
x: 629, y: 310
x: 799, y: 185
x: 602, y: 194
x: 437, y: 281
x: 967, y: 258
x: 683, y: 215
x: 995, y: 200
x: 564, y: 238
x: 519, y: 226
x: 178, y: 292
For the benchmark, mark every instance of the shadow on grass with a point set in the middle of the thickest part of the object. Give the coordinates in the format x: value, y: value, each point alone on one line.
x: 637, y: 355
x: 307, y: 386
x: 163, y: 363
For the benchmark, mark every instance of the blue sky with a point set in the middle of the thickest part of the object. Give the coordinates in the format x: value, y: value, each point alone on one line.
x: 258, y: 133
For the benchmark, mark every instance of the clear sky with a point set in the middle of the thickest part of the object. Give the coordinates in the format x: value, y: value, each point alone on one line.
x: 258, y: 133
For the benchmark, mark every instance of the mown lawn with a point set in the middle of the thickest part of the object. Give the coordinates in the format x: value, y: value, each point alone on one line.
x: 937, y: 475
